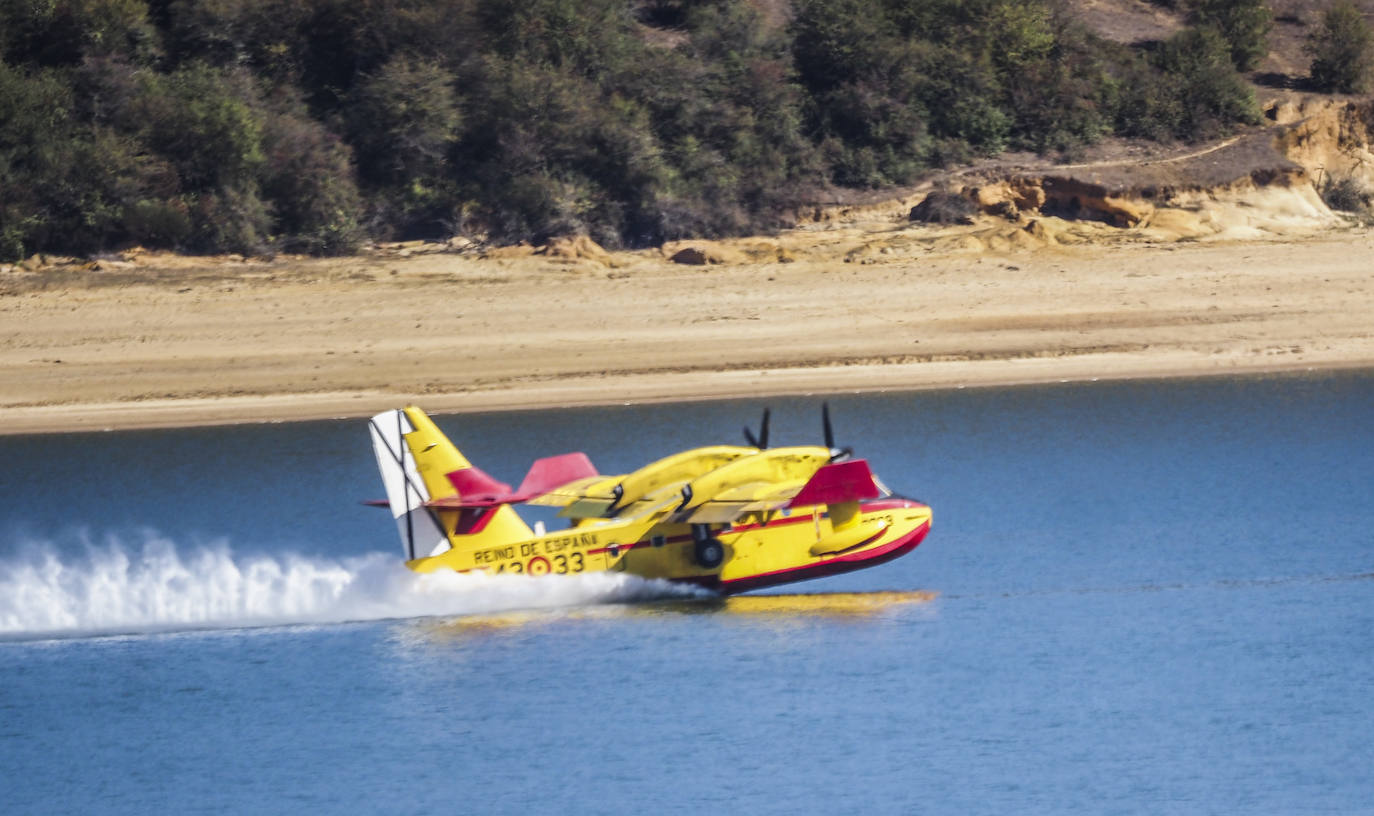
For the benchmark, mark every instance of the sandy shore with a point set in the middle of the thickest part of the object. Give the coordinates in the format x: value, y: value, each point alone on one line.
x: 164, y: 341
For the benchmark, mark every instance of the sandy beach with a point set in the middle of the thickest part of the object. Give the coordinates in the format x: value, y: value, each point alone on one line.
x: 155, y: 340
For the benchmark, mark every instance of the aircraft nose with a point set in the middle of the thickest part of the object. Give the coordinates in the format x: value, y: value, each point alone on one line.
x: 917, y: 509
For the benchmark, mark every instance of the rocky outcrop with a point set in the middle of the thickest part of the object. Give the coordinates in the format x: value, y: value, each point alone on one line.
x: 567, y: 249
x: 1330, y: 140
x: 1074, y: 198
x: 576, y: 248
x: 944, y: 207
x: 1008, y: 197
x: 702, y: 253
x: 1276, y: 172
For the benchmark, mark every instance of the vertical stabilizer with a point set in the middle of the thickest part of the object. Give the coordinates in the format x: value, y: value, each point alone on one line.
x: 435, y: 456
x: 406, y: 490
x: 420, y: 465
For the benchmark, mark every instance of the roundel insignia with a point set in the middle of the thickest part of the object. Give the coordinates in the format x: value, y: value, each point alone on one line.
x: 539, y: 565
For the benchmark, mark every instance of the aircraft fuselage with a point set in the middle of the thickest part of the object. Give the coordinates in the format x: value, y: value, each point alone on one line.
x: 760, y: 550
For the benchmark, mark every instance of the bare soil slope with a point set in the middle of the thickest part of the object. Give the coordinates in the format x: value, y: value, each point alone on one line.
x: 879, y: 305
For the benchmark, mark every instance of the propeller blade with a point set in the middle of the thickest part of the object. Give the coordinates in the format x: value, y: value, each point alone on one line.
x: 836, y: 454
x: 760, y: 441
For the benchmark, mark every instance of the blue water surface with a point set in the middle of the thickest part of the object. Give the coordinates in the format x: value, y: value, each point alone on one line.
x: 1147, y: 597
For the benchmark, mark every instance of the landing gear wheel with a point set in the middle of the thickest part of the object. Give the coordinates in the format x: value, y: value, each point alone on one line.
x: 710, y: 552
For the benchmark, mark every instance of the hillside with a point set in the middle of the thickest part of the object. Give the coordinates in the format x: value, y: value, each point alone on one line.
x: 321, y: 126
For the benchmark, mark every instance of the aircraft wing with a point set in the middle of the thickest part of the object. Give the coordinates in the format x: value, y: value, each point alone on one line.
x: 834, y: 483
x: 588, y: 497
x: 755, y: 497
x: 576, y: 489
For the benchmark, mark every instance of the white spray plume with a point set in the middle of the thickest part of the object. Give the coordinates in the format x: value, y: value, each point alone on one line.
x: 155, y: 586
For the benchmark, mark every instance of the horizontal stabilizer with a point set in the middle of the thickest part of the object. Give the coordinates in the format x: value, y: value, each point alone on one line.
x: 838, y: 482
x: 477, y: 489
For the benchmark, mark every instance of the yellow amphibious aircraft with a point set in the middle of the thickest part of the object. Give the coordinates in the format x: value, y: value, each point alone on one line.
x: 729, y: 518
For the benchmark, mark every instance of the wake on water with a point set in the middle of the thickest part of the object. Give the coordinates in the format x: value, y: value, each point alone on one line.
x: 156, y: 586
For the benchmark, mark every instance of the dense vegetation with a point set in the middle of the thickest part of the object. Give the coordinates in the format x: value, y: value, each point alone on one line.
x: 250, y: 125
x: 1342, y: 50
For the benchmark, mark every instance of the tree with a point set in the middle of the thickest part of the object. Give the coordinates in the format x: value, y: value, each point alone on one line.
x: 1244, y: 24
x: 1342, y: 50
x: 308, y: 178
x: 1207, y: 93
x: 402, y: 121
x: 52, y: 33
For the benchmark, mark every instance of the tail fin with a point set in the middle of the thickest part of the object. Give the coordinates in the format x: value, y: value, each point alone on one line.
x: 420, y: 466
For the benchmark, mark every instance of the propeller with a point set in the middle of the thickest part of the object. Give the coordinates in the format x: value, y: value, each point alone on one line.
x: 761, y: 441
x: 836, y: 454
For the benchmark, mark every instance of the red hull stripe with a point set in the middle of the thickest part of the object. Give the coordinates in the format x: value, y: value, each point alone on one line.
x: 799, y: 518
x: 621, y: 547
x: 777, y: 522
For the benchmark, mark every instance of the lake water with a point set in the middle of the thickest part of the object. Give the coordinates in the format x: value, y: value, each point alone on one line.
x: 1152, y: 597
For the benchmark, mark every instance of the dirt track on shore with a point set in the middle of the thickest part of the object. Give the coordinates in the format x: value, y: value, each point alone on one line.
x: 161, y: 341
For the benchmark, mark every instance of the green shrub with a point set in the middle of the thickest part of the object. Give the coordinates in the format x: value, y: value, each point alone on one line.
x: 1207, y: 93
x: 1243, y: 24
x: 588, y: 38
x: 1342, y: 50
x: 157, y: 223
x: 228, y: 220
x: 838, y: 41
x: 269, y: 36
x: 403, y: 120
x: 12, y: 231
x: 1063, y: 99
x: 307, y: 177
x: 1023, y: 33
x: 204, y: 120
x: 58, y: 34
x: 1147, y: 106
